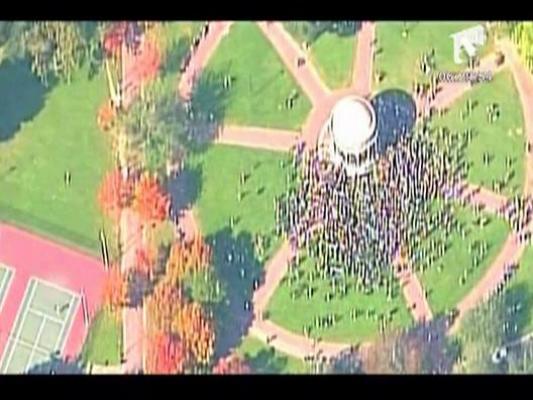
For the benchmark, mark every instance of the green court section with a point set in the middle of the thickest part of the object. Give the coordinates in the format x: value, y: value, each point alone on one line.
x: 41, y: 327
x: 6, y: 274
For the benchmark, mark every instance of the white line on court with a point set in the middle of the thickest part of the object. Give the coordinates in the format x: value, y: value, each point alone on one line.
x: 39, y: 333
x: 64, y: 324
x: 22, y: 314
x: 6, y: 283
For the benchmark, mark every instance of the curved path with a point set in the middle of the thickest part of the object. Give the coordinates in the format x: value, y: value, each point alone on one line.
x: 323, y: 100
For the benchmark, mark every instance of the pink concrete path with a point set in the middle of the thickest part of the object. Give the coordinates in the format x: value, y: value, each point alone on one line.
x: 364, y: 60
x: 524, y: 85
x: 133, y: 324
x: 478, y: 195
x: 452, y: 91
x: 289, y: 52
x: 200, y: 58
x: 511, y: 253
x: 256, y: 137
x: 512, y: 250
x: 414, y: 295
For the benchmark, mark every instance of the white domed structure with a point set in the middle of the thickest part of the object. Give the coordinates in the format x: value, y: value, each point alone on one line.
x: 351, y: 128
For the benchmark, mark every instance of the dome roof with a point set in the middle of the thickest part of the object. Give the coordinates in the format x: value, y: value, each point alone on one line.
x: 353, y: 124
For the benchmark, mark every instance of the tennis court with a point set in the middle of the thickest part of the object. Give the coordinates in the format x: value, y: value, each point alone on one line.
x: 41, y: 327
x: 5, y: 279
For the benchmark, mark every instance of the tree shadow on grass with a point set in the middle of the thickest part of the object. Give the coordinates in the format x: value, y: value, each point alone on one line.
x: 185, y: 188
x: 176, y: 54
x: 395, y: 117
x: 58, y: 366
x: 232, y: 256
x: 208, y: 109
x: 518, y: 295
x: 22, y: 97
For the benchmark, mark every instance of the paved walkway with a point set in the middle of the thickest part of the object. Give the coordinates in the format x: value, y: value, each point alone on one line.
x: 289, y: 52
x: 200, y: 58
x: 323, y: 100
x: 477, y: 195
x: 133, y: 324
x: 364, y: 60
x: 256, y: 137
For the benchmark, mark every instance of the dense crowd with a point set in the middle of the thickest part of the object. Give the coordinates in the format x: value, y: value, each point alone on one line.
x: 356, y: 226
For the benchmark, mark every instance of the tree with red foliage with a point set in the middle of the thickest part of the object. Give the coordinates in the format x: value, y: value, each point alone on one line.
x: 145, y: 261
x: 166, y: 354
x: 115, y: 193
x: 115, y: 292
x: 150, y: 201
x: 232, y: 364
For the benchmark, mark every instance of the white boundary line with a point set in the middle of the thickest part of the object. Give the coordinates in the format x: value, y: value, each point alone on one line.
x: 41, y: 314
x: 34, y: 346
x: 70, y: 316
x: 6, y: 283
x: 13, y: 336
x: 53, y: 285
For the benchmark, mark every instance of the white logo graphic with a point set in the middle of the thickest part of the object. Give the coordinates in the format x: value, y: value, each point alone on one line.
x: 468, y: 39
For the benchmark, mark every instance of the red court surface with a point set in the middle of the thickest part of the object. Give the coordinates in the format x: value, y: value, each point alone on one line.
x: 32, y: 256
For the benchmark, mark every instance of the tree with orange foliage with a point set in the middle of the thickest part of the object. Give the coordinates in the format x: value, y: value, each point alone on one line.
x: 166, y: 354
x: 106, y: 116
x: 188, y: 258
x: 163, y: 306
x: 150, y: 201
x: 232, y: 364
x: 196, y: 331
x: 115, y: 193
x: 115, y: 292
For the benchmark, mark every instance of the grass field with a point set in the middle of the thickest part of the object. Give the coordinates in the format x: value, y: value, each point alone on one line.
x: 293, y: 314
x: 332, y: 56
x: 397, y: 57
x: 104, y: 340
x: 444, y: 289
x: 266, y: 360
x: 499, y: 139
x: 217, y: 202
x: 36, y: 151
x: 524, y: 280
x: 261, y: 83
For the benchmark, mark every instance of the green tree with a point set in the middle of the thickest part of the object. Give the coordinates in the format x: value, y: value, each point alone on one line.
x: 310, y: 31
x: 522, y: 35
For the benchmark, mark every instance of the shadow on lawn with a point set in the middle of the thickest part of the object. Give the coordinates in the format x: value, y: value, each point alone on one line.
x: 236, y: 267
x: 58, y: 366
x: 185, y: 188
x: 22, y: 97
x: 207, y: 110
x: 395, y: 117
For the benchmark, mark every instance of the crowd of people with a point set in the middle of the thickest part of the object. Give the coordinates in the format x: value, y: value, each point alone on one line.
x: 355, y: 227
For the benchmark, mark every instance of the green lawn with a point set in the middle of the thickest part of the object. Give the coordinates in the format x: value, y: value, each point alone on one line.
x: 104, y: 340
x: 500, y: 139
x: 293, y: 314
x: 332, y: 55
x: 60, y: 135
x: 266, y: 360
x: 523, y: 281
x: 397, y: 57
x: 443, y: 286
x: 261, y: 83
x: 221, y: 167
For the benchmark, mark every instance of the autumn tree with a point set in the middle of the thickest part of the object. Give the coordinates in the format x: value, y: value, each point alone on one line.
x: 197, y: 331
x: 115, y: 193
x: 55, y: 47
x: 145, y: 261
x: 115, y: 291
x: 106, y: 116
x: 232, y: 364
x: 166, y: 354
x: 150, y: 201
x: 163, y: 306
